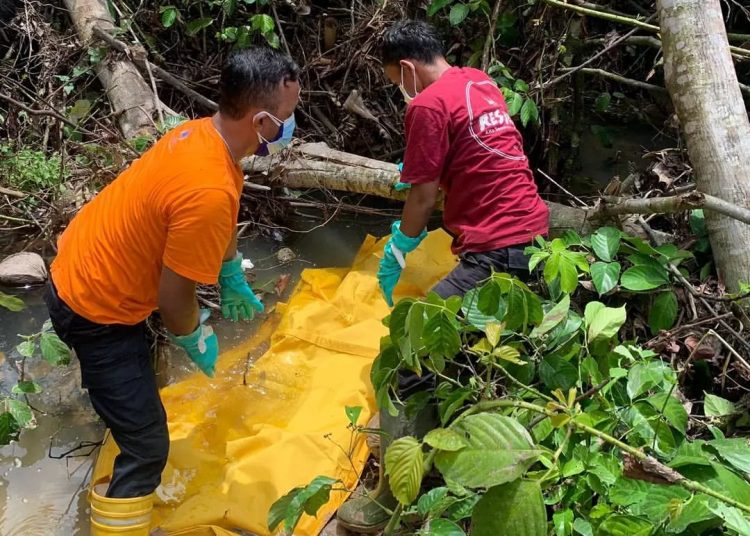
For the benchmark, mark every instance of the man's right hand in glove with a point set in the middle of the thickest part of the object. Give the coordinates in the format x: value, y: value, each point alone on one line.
x: 393, y: 261
x: 201, y: 346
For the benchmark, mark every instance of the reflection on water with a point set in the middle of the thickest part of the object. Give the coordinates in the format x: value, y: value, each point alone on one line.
x: 45, y: 496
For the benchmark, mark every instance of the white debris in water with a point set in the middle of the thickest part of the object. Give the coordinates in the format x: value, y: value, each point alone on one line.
x: 174, y: 490
x: 17, y: 462
x: 247, y: 265
x: 285, y: 255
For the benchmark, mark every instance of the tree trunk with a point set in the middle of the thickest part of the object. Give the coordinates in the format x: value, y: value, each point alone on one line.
x: 130, y: 96
x: 703, y: 85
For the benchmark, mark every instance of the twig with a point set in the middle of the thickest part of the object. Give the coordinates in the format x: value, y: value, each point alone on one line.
x: 49, y: 112
x: 732, y: 350
x: 143, y: 62
x: 737, y: 51
x: 490, y: 39
x: 674, y: 203
x: 621, y: 79
x: 599, y: 54
x: 553, y: 181
x: 12, y: 193
x: 281, y: 29
x: 689, y: 360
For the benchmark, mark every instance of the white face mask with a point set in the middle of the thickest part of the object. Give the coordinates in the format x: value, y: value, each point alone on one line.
x: 408, y: 98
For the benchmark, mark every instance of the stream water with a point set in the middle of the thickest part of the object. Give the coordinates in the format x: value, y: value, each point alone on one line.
x: 43, y: 479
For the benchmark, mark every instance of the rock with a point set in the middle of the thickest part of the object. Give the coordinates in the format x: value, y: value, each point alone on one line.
x: 23, y: 269
x: 285, y: 255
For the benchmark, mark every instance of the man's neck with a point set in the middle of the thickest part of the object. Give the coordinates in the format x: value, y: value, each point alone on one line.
x: 430, y: 73
x: 239, y: 141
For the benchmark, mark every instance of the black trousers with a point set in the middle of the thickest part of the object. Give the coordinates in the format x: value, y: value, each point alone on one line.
x: 472, y: 269
x: 116, y: 370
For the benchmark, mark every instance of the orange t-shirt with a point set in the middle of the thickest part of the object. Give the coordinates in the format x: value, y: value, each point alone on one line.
x: 175, y: 206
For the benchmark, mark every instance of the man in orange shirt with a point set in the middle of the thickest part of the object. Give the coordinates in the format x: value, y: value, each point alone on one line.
x: 167, y: 223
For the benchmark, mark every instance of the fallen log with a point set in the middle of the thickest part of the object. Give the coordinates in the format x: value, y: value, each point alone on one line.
x: 130, y: 96
x: 317, y: 166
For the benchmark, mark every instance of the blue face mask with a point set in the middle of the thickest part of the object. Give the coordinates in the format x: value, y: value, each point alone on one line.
x: 282, y: 139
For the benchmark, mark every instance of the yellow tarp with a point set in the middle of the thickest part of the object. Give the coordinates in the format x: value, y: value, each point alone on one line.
x: 246, y: 437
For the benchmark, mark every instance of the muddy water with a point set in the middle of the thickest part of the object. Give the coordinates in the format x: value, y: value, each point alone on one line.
x: 43, y: 486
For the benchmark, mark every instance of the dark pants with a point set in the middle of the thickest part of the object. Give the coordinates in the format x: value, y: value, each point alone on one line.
x: 475, y: 268
x: 472, y: 270
x: 116, y: 370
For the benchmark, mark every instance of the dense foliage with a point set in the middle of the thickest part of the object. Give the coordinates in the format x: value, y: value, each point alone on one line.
x: 552, y: 419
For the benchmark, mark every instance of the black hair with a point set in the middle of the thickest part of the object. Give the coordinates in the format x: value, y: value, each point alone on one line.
x: 411, y: 39
x: 251, y: 77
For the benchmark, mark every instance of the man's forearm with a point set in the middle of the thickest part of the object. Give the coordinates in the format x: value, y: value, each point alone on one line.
x: 178, y: 305
x: 232, y: 248
x: 419, y: 206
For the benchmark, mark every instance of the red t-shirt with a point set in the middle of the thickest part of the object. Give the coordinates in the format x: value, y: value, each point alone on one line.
x: 458, y: 131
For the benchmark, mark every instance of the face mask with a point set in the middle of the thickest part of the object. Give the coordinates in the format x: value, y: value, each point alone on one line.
x: 282, y: 139
x: 408, y: 98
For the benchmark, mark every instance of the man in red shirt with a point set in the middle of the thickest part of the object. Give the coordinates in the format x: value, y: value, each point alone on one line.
x: 459, y: 139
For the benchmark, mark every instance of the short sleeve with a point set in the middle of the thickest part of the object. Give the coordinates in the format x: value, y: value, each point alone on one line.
x: 427, y: 145
x: 201, y: 225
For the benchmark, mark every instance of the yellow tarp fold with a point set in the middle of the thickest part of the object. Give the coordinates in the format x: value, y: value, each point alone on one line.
x: 244, y: 438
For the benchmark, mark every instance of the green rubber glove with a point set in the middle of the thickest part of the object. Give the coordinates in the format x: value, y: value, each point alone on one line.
x: 238, y: 301
x: 393, y: 261
x: 201, y: 345
x: 398, y: 185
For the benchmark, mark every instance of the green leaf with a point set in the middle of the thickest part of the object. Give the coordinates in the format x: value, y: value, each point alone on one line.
x: 168, y: 16
x: 520, y: 85
x: 674, y: 412
x: 442, y: 339
x: 735, y: 451
x: 448, y: 407
x: 353, y: 413
x: 437, y: 5
x: 529, y: 112
x: 583, y: 527
x: 555, y: 372
x: 663, y: 312
x: 603, y: 322
x: 263, y: 23
x: 12, y: 303
x: 26, y: 348
x: 715, y: 406
x: 508, y: 353
x: 568, y: 275
x: 619, y: 525
x: 404, y: 463
x: 54, y: 351
x: 516, y: 508
x: 441, y: 527
x: 445, y: 439
x: 474, y: 315
x: 26, y: 387
x: 515, y: 104
x: 640, y: 278
x: 435, y: 502
x: 8, y: 428
x: 21, y: 413
x: 733, y: 518
x: 291, y: 506
x: 645, y: 376
x: 493, y: 330
x: 606, y: 243
x: 195, y: 26
x: 562, y: 520
x: 499, y: 450
x: 553, y: 318
x: 653, y: 501
x: 602, y: 102
x: 605, y: 276
x: 719, y: 478
x: 458, y: 14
